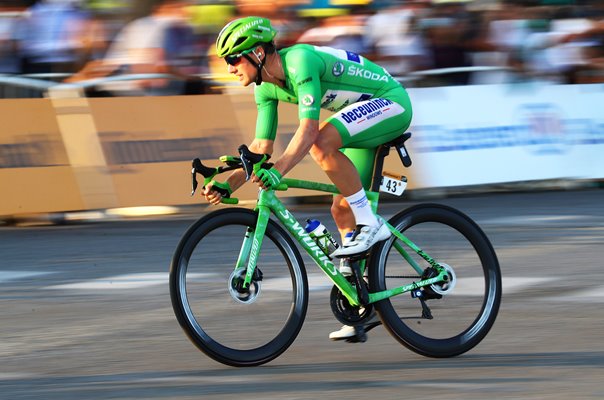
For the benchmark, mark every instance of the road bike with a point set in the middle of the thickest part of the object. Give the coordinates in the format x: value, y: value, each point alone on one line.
x: 240, y: 290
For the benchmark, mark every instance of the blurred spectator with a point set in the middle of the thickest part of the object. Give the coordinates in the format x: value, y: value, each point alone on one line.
x: 559, y: 41
x: 506, y: 34
x: 342, y: 32
x: 394, y: 37
x: 159, y: 43
x: 586, y: 63
x: 447, y: 33
x: 9, y: 62
x: 51, y: 37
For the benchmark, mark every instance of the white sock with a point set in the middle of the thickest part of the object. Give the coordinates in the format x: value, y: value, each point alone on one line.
x: 361, y: 209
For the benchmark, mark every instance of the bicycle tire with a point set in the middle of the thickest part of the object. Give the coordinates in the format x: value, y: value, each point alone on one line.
x: 208, y: 284
x: 460, y: 320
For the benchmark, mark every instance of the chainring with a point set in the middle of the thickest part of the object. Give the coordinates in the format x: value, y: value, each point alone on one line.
x: 347, y: 313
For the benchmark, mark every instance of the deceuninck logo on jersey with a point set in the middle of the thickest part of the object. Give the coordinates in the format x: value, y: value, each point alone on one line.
x: 359, y: 116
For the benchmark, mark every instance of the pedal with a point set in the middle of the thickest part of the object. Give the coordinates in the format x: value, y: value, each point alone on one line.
x: 359, y: 337
x: 358, y: 256
x: 372, y: 325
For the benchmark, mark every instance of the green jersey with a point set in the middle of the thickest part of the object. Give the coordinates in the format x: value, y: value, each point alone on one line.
x: 323, y: 78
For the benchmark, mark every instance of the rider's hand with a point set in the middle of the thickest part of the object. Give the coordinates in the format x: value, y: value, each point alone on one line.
x: 268, y: 178
x: 214, y: 192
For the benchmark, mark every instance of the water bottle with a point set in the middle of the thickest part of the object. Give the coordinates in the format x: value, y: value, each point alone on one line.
x: 321, y: 235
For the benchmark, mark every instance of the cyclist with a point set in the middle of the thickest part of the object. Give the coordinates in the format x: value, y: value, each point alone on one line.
x: 370, y: 108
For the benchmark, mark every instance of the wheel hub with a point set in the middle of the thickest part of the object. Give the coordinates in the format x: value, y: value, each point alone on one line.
x: 444, y: 288
x: 239, y: 293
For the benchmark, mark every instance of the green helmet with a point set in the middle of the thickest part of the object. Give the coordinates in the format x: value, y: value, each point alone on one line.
x: 243, y: 34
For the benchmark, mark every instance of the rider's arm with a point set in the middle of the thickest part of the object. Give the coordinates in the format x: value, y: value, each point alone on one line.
x: 299, y: 146
x: 266, y: 130
x: 308, y: 69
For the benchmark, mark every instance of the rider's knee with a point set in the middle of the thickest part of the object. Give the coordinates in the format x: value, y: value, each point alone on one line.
x: 318, y: 154
x: 327, y: 143
x: 322, y: 152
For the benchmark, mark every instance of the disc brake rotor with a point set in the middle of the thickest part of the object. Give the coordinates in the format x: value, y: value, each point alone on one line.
x: 238, y: 292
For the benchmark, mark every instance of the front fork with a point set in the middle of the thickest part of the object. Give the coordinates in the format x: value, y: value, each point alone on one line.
x: 250, y: 247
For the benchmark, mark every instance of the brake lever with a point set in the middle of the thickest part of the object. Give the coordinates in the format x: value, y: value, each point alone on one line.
x: 194, y: 181
x: 248, y: 159
x: 248, y: 167
x: 198, y: 168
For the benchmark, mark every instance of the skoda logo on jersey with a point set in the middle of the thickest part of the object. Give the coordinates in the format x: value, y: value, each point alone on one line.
x: 366, y: 74
x: 369, y: 110
x: 307, y: 100
x: 338, y: 69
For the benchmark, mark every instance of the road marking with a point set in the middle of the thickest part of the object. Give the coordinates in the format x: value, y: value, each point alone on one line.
x: 595, y: 294
x: 469, y: 286
x: 8, y: 376
x: 121, y: 282
x: 14, y: 275
x: 316, y: 282
x: 535, y: 219
x: 474, y: 286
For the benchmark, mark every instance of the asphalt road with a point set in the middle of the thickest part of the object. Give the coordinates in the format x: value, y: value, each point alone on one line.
x: 85, y: 313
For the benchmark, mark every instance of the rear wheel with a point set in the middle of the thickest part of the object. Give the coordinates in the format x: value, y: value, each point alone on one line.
x: 234, y: 325
x: 463, y: 309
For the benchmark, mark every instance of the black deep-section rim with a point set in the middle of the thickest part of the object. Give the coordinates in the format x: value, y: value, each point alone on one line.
x: 178, y: 294
x: 482, y: 324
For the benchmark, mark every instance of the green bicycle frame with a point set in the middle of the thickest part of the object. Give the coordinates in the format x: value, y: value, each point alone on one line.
x: 269, y: 203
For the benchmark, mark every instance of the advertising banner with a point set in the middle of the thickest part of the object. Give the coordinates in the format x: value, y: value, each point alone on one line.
x: 475, y: 135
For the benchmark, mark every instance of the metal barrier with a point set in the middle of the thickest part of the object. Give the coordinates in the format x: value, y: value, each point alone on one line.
x: 12, y: 86
x: 39, y: 85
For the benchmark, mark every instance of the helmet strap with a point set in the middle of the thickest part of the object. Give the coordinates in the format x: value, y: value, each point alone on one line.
x: 259, y: 65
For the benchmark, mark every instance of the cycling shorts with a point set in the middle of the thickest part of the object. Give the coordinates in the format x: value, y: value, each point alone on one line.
x: 365, y: 125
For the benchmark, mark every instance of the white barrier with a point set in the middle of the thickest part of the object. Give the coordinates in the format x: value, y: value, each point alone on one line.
x: 507, y: 133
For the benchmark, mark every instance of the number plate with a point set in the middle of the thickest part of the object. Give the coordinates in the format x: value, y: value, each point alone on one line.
x: 393, y: 185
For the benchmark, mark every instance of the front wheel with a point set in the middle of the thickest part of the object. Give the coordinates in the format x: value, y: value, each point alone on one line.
x: 460, y: 312
x: 231, y: 324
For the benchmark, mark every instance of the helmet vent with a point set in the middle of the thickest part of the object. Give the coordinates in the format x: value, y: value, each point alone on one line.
x: 239, y: 41
x: 226, y: 37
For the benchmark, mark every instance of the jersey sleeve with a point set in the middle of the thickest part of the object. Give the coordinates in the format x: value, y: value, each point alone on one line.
x: 306, y: 68
x: 266, y: 121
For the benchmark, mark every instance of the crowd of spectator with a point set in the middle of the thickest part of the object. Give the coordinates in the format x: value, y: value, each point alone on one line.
x: 421, y: 42
x: 458, y: 43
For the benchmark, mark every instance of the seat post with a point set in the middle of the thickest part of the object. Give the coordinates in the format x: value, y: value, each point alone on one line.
x: 382, y: 153
x: 378, y: 167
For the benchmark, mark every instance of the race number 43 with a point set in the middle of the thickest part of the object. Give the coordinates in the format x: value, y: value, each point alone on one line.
x: 393, y: 184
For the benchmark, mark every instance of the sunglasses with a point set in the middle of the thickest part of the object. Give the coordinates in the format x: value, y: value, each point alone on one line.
x: 235, y: 59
